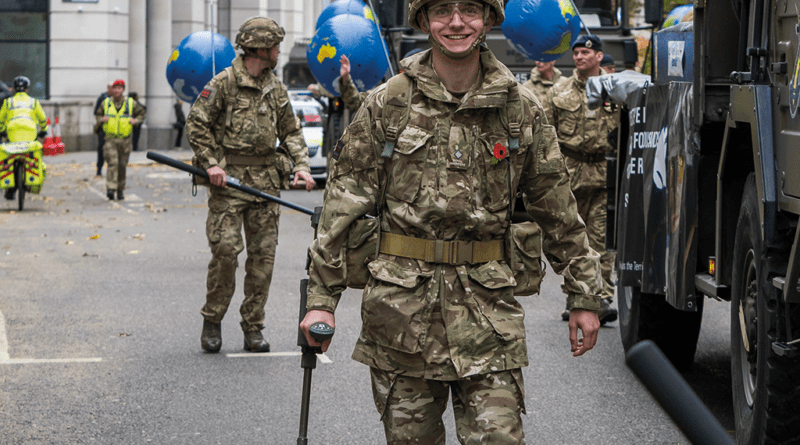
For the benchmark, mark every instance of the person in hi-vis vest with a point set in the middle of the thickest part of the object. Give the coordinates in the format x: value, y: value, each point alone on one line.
x: 21, y: 118
x: 117, y: 116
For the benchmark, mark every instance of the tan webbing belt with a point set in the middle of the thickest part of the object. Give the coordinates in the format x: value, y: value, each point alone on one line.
x: 438, y: 251
x: 246, y: 160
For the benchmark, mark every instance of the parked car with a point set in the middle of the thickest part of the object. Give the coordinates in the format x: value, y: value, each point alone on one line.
x: 310, y: 113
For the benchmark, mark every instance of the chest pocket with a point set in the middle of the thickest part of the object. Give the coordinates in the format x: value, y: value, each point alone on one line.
x: 240, y: 116
x: 496, y: 174
x: 408, y: 163
x: 568, y: 111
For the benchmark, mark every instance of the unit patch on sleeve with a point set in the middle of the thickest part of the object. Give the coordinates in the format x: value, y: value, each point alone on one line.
x: 208, y: 93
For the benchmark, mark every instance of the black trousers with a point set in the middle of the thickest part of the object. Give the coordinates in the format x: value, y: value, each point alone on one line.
x: 101, y: 140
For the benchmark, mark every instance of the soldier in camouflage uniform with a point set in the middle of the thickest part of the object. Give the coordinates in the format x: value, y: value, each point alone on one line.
x: 543, y: 76
x: 583, y: 138
x: 232, y: 128
x: 444, y: 318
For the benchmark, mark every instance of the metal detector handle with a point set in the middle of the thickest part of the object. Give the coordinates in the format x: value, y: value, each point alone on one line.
x: 674, y: 395
x: 229, y: 181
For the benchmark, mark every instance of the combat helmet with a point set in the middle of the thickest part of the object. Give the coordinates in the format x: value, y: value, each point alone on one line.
x: 21, y: 83
x: 415, y: 5
x: 259, y: 32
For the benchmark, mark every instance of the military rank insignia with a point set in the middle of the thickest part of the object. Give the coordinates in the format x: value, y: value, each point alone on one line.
x: 337, y: 150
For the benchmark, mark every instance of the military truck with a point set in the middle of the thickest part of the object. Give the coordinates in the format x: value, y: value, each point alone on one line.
x: 707, y: 205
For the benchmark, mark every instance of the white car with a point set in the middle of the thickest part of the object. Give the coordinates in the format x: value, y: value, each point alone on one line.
x: 310, y: 113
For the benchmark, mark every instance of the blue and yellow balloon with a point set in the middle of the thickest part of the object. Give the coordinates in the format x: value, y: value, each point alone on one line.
x: 355, y: 7
x: 354, y: 36
x: 191, y: 65
x: 541, y: 30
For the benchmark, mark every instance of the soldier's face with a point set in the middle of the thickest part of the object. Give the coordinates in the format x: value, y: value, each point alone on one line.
x: 270, y: 56
x: 456, y: 25
x: 116, y: 91
x: 587, y: 61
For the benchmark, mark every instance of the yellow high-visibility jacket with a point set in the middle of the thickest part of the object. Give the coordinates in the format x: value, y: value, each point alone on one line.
x: 19, y: 117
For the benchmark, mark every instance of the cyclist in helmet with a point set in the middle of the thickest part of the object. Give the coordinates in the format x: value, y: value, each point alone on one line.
x: 21, y: 118
x: 441, y: 150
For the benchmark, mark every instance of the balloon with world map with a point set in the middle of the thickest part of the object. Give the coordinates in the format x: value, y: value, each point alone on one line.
x: 355, y: 7
x: 193, y: 64
x: 541, y: 30
x: 357, y: 38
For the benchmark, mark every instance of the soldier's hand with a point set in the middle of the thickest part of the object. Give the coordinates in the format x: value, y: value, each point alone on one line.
x: 105, y: 118
x: 313, y: 317
x: 216, y: 176
x: 588, y: 323
x: 344, y: 70
x: 305, y: 176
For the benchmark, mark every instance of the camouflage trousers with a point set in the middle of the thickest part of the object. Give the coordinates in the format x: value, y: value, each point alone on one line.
x: 116, y: 152
x: 593, y: 209
x: 226, y: 216
x: 487, y: 408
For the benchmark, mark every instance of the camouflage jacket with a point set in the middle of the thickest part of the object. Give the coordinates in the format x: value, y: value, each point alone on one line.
x: 540, y: 86
x: 580, y: 130
x: 350, y: 95
x: 443, y: 321
x: 260, y: 114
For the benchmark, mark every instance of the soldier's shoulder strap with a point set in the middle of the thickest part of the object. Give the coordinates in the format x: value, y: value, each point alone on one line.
x: 231, y: 89
x: 396, y: 110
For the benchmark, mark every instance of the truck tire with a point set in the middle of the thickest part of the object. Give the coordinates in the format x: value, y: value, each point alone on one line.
x: 765, y: 392
x: 645, y: 316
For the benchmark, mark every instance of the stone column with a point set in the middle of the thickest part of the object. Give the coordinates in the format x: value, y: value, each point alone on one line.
x: 159, y: 94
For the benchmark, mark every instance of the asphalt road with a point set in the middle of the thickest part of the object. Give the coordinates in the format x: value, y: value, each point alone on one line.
x: 100, y: 326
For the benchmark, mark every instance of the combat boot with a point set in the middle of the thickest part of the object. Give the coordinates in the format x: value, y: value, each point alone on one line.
x: 211, y: 338
x: 606, y: 313
x: 254, y: 342
x: 110, y: 194
x: 120, y: 196
x: 10, y: 193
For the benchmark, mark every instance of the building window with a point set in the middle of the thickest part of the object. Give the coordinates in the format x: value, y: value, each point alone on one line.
x: 24, y: 44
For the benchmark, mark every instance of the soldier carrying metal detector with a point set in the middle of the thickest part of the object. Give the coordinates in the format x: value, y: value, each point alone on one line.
x: 320, y: 331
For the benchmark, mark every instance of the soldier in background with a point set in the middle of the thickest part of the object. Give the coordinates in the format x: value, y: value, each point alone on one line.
x: 607, y: 64
x: 432, y: 325
x: 117, y: 116
x: 231, y: 139
x: 583, y: 138
x: 543, y: 76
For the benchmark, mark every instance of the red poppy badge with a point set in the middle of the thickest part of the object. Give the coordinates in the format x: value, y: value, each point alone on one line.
x: 500, y: 153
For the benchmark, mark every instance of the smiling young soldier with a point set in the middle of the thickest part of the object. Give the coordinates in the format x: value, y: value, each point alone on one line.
x: 440, y: 150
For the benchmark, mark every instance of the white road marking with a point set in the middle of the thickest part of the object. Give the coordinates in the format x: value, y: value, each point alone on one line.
x: 36, y: 361
x: 113, y: 203
x: 322, y: 357
x: 169, y: 175
x: 3, y: 339
x: 6, y: 360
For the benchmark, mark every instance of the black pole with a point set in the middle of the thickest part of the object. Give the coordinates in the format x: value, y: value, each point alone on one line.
x: 674, y: 395
x: 229, y: 181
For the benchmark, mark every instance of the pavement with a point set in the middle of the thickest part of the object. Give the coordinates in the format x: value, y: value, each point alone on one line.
x: 138, y: 157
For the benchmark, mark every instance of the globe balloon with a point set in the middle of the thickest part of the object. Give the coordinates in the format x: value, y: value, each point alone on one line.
x: 674, y: 17
x: 355, y: 37
x: 541, y: 30
x: 355, y: 7
x: 198, y: 58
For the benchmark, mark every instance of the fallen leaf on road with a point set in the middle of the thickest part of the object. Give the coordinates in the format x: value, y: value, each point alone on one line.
x: 132, y: 252
x: 95, y: 237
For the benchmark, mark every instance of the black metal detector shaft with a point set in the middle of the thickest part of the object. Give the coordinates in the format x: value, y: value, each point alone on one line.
x: 674, y: 395
x: 229, y: 181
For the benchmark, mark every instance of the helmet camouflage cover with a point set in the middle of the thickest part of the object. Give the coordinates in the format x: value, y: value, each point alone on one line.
x: 259, y: 32
x: 415, y: 5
